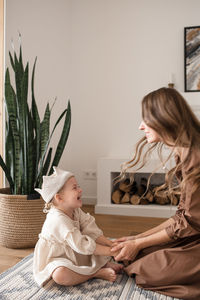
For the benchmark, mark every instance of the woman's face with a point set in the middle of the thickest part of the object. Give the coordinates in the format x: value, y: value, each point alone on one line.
x: 151, y: 135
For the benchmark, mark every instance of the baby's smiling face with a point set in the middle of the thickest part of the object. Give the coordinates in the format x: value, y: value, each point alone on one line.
x: 71, y: 194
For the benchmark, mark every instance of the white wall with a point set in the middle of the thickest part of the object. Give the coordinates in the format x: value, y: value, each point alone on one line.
x: 105, y: 55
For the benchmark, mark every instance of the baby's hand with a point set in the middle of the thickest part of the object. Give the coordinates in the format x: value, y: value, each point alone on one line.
x: 114, y: 243
x: 114, y: 254
x: 109, y: 243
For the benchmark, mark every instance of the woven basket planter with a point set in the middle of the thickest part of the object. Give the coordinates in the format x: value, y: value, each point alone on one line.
x: 21, y: 220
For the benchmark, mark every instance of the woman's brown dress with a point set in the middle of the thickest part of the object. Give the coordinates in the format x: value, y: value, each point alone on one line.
x: 173, y: 268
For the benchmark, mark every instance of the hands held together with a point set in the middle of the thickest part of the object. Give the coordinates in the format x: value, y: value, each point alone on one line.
x: 125, y: 248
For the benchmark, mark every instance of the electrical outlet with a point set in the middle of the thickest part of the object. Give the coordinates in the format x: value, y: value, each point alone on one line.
x: 89, y: 175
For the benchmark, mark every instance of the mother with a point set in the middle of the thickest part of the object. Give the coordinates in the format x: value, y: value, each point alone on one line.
x: 166, y: 258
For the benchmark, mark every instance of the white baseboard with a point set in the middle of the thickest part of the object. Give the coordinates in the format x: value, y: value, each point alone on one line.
x: 150, y: 210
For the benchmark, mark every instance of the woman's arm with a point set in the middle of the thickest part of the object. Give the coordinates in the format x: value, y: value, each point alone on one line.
x: 148, y: 232
x: 129, y: 249
x: 156, y: 229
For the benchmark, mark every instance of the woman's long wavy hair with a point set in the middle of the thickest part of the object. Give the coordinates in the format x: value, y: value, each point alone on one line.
x: 167, y: 112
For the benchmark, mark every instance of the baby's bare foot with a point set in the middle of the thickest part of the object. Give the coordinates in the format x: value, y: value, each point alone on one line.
x: 106, y: 274
x: 116, y: 267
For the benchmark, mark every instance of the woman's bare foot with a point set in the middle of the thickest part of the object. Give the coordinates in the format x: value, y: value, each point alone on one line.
x: 116, y: 267
x: 106, y: 274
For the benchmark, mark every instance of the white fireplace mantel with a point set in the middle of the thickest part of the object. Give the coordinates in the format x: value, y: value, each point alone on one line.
x: 108, y: 166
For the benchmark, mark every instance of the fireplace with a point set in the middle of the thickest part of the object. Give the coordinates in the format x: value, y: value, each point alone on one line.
x: 108, y: 169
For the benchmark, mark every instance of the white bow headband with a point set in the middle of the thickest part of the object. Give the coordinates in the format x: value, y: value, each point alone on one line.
x: 53, y: 183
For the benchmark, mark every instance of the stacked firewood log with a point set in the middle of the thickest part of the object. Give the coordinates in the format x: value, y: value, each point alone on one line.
x: 139, y: 194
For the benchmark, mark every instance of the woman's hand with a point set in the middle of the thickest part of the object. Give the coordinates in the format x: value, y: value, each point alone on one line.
x: 128, y: 250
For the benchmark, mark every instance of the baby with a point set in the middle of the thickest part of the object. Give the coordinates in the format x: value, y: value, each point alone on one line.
x: 71, y: 248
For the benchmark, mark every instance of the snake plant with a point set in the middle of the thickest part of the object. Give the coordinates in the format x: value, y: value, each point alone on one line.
x: 28, y: 154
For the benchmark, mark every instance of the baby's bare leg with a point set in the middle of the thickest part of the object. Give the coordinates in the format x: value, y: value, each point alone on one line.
x: 116, y: 267
x: 67, y: 277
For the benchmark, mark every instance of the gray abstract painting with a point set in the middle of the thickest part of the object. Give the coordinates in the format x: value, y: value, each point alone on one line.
x: 192, y: 58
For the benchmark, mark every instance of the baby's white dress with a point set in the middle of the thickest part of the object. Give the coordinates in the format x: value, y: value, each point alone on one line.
x: 68, y: 243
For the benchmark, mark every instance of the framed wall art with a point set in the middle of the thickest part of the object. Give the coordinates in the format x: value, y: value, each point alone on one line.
x: 192, y: 58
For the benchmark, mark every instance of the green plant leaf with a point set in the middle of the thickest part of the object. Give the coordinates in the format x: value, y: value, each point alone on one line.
x: 10, y: 99
x: 46, y: 165
x: 24, y: 128
x: 45, y: 129
x: 7, y: 173
x: 36, y: 126
x: 30, y: 156
x: 18, y: 78
x: 21, y: 60
x: 12, y: 61
x: 63, y: 138
x: 47, y: 143
x: 44, y: 141
x: 9, y: 153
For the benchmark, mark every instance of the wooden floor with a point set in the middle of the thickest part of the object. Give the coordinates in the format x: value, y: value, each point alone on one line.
x: 112, y: 226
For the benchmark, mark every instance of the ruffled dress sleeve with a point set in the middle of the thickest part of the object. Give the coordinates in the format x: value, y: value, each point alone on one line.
x: 79, y: 242
x: 187, y: 218
x: 88, y: 225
